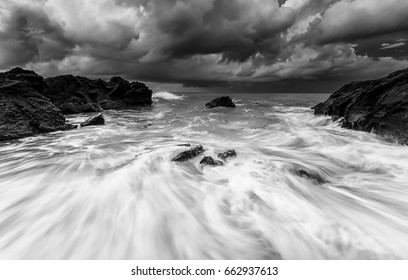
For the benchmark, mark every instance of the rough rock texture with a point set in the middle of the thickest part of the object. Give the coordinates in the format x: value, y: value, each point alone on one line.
x: 224, y: 101
x: 95, y: 120
x: 189, y: 154
x: 227, y: 154
x: 30, y: 104
x: 207, y: 160
x: 25, y: 112
x: 78, y: 94
x: 379, y: 106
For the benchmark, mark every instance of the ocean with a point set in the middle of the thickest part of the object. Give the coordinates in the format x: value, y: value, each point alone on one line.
x: 301, y: 187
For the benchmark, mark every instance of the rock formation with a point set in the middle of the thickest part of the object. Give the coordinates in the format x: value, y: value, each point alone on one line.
x: 207, y: 160
x: 379, y: 106
x: 30, y: 104
x: 189, y: 154
x: 224, y: 101
x: 25, y: 112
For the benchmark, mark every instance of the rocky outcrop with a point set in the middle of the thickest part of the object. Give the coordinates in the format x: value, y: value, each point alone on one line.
x: 95, y: 120
x: 224, y: 101
x: 78, y: 94
x: 25, y: 112
x: 379, y: 106
x: 207, y: 160
x: 30, y: 104
x: 227, y: 154
x: 189, y: 154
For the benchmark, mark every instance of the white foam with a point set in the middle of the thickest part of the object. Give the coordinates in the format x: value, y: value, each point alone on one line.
x: 167, y: 95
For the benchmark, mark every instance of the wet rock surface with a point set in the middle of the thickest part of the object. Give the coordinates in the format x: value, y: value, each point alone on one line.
x: 224, y: 101
x: 207, y: 160
x: 310, y: 176
x: 227, y: 154
x: 25, y: 112
x: 30, y: 104
x: 95, y: 120
x: 189, y: 154
x: 379, y: 106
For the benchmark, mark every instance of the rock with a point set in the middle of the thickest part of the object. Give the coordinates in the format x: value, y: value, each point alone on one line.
x: 310, y: 176
x: 25, y: 112
x: 224, y: 101
x: 207, y: 160
x: 95, y: 120
x: 80, y: 94
x: 189, y: 154
x: 227, y: 154
x: 31, y: 78
x: 379, y: 106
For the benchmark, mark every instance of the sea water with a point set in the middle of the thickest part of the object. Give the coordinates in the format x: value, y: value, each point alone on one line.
x: 112, y: 191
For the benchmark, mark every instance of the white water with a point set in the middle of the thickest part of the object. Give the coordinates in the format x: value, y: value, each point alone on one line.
x: 112, y: 192
x: 166, y: 95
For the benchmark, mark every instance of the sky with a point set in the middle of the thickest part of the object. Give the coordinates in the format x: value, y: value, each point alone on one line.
x: 209, y: 45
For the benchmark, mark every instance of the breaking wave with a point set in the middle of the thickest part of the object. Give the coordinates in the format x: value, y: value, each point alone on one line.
x: 167, y: 96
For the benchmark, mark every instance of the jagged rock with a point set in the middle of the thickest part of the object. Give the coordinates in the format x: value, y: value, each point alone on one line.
x: 207, y: 160
x: 95, y: 120
x: 24, y: 112
x: 31, y: 78
x: 227, y: 154
x: 379, y: 106
x: 224, y: 101
x: 310, y: 176
x: 79, y: 94
x: 30, y: 105
x: 189, y: 154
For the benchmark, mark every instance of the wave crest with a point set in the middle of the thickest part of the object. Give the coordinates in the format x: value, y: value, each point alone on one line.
x: 167, y: 95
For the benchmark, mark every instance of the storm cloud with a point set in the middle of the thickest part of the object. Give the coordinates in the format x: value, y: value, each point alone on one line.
x: 265, y: 45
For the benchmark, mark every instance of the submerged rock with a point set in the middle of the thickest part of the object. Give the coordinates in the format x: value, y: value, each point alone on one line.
x: 95, y: 120
x: 310, y: 176
x: 224, y: 101
x: 189, y: 154
x: 25, y: 112
x: 207, y: 160
x: 227, y: 154
x: 379, y: 106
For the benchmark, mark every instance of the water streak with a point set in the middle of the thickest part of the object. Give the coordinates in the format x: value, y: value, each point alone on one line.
x: 112, y: 192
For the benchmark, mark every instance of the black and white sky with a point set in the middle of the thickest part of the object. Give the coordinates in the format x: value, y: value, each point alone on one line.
x: 189, y: 45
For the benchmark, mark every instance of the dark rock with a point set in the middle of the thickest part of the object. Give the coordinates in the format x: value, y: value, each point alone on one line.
x: 207, y: 160
x: 379, y: 106
x: 310, y: 176
x: 227, y: 154
x: 34, y: 80
x: 189, y: 154
x: 31, y: 105
x: 95, y: 120
x: 224, y: 101
x: 184, y: 145
x: 25, y: 112
x: 79, y: 94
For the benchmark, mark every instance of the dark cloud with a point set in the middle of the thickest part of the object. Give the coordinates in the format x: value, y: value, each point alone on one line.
x: 29, y: 35
x: 267, y: 45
